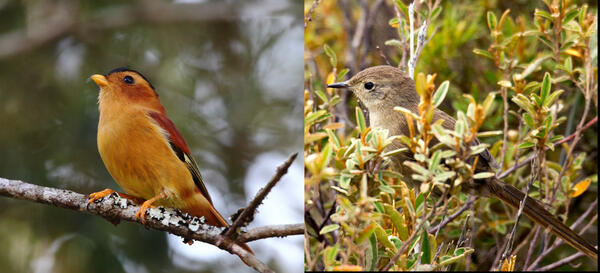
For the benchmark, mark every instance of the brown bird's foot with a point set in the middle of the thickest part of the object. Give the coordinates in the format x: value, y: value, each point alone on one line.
x: 146, y: 205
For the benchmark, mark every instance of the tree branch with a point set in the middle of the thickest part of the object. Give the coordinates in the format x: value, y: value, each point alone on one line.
x: 115, y: 209
x: 271, y: 231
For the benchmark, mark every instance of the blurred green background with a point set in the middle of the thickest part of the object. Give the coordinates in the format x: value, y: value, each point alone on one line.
x: 230, y: 77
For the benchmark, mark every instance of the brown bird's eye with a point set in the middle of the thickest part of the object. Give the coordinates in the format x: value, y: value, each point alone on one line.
x: 128, y: 79
x: 369, y: 85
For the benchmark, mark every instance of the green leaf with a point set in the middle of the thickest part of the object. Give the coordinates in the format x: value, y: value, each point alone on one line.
x: 325, y: 157
x: 440, y: 93
x: 543, y: 14
x: 435, y: 160
x: 321, y: 96
x: 394, y: 152
x: 331, y: 54
x: 316, y: 117
x: 330, y: 253
x: 443, y: 176
x: 365, y: 233
x: 545, y: 89
x: 383, y: 237
x: 379, y: 207
x: 417, y: 168
x: 406, y: 111
x: 425, y: 249
x: 386, y: 189
x: 528, y: 120
x: 582, y: 13
x: 534, y: 65
x: 488, y: 103
x: 478, y: 148
x: 342, y: 73
x: 556, y: 138
x: 569, y: 64
x: 403, y: 8
x: 333, y: 138
x: 552, y: 98
x: 524, y: 103
x: 398, y: 221
x: 459, y: 128
x: 526, y: 144
x: 570, y: 15
x: 329, y: 228
x: 483, y: 175
x: 419, y: 202
x: 531, y: 85
x: 537, y: 99
x: 360, y: 119
x: 435, y: 13
x: 373, y: 243
x: 483, y: 53
x: 393, y: 42
x: 492, y: 21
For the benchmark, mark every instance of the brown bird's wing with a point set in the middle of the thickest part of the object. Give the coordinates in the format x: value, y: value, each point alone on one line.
x: 541, y: 216
x: 181, y: 150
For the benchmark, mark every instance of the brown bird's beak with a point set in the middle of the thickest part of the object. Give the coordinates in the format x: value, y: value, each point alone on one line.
x: 338, y: 85
x: 99, y: 80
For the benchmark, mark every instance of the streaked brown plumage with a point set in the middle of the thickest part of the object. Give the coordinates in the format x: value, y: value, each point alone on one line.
x: 381, y: 88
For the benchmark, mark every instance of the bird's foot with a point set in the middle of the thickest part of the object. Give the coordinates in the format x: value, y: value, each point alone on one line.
x: 99, y: 195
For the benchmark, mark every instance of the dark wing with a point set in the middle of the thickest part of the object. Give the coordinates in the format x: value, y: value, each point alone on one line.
x: 181, y: 149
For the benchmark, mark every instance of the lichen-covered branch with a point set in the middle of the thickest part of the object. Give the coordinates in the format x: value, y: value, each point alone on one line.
x: 115, y: 209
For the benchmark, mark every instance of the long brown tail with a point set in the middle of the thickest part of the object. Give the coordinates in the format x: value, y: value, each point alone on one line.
x: 541, y: 216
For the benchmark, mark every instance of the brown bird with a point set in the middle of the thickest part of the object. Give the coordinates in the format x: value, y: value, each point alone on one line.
x: 381, y: 88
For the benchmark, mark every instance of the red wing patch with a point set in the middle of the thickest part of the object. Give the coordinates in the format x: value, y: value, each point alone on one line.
x: 175, y: 137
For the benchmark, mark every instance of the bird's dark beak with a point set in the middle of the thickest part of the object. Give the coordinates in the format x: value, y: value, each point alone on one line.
x: 338, y: 85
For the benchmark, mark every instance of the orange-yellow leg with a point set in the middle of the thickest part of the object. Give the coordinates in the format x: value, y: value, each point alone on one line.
x: 101, y: 194
x: 146, y: 205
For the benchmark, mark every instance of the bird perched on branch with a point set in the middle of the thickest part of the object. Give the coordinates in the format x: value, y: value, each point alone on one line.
x: 381, y: 88
x: 144, y: 152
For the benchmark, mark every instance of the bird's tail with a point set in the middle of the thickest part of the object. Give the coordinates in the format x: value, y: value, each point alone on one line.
x: 213, y: 217
x: 535, y: 211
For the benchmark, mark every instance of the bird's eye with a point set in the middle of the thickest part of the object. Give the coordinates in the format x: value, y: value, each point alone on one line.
x: 369, y: 85
x: 128, y: 79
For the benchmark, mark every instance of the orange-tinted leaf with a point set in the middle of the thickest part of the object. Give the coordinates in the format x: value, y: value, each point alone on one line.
x: 580, y: 188
x: 573, y: 52
x: 347, y: 267
x: 334, y: 126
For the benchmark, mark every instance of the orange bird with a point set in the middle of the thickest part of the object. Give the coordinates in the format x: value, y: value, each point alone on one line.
x: 144, y: 152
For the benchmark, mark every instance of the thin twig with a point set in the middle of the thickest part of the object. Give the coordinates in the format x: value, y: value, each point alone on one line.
x: 383, y: 55
x: 561, y: 262
x: 509, y: 245
x: 271, y: 231
x: 260, y: 196
x: 466, y: 206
